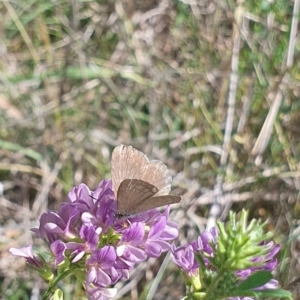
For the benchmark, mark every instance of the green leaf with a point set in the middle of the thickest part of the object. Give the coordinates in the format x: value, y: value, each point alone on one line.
x: 133, y: 76
x: 276, y: 293
x: 76, y: 72
x: 18, y: 148
x: 255, y: 280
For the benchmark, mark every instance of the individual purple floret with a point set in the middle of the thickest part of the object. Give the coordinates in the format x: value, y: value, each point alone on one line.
x: 100, y: 267
x: 184, y: 258
x: 128, y: 248
x: 96, y: 293
x: 58, y: 248
x: 28, y: 254
x: 35, y: 262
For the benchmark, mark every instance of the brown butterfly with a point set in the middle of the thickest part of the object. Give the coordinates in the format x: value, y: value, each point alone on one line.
x: 139, y: 184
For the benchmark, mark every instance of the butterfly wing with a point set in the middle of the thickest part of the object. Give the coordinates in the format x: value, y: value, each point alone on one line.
x: 157, y: 201
x: 158, y: 174
x: 129, y: 163
x: 136, y: 196
x: 132, y: 193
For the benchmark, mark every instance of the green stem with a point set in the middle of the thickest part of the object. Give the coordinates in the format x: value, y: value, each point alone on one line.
x: 53, y: 284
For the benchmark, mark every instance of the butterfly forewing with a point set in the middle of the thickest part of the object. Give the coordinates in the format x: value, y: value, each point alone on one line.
x: 126, y: 163
x: 129, y: 163
x: 132, y: 193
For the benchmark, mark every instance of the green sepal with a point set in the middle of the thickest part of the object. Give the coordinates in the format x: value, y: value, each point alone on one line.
x: 64, y: 265
x: 58, y: 295
x: 46, y: 273
x: 198, y: 296
x: 109, y: 238
x: 196, y: 282
x: 80, y: 275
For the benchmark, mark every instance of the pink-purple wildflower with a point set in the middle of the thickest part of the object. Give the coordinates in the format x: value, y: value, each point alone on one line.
x: 86, y: 229
x: 206, y: 247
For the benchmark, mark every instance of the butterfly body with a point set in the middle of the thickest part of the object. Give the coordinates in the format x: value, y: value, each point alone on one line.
x: 139, y: 184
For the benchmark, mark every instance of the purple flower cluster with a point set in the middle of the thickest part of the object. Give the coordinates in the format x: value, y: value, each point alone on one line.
x: 85, y: 232
x: 185, y: 258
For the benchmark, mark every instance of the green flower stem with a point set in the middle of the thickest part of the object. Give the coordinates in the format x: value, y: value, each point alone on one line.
x: 53, y: 284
